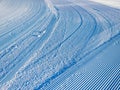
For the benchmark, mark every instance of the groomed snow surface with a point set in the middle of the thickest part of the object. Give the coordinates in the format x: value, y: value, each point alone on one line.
x: 59, y: 44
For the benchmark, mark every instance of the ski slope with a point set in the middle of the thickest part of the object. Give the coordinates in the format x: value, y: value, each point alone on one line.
x: 59, y: 45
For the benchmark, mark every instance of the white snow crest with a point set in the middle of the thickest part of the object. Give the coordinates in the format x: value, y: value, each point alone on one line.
x: 51, y: 7
x: 111, y: 3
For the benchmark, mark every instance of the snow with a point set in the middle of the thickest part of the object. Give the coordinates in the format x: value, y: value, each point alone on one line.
x: 59, y: 44
x: 111, y: 3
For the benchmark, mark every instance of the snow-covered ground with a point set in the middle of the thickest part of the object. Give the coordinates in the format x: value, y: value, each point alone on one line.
x: 59, y: 44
